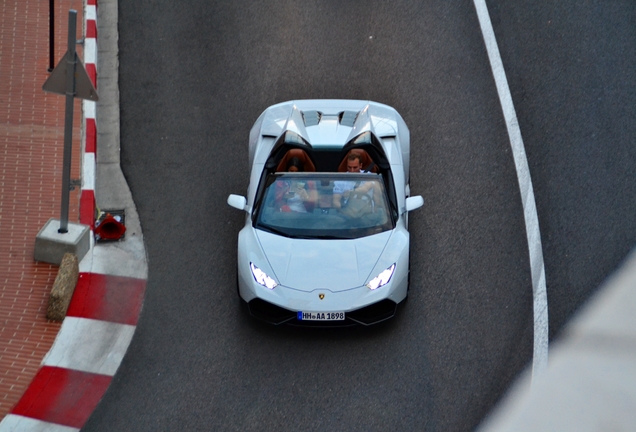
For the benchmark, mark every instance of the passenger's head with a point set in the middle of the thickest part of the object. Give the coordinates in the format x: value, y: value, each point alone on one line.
x: 354, y: 163
x: 294, y: 165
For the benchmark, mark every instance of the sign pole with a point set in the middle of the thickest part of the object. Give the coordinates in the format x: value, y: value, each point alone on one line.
x: 71, y: 61
x: 69, y: 78
x: 51, y: 34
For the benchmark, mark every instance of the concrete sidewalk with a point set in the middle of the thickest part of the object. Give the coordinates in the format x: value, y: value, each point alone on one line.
x: 590, y: 382
x: 32, y: 138
x: 53, y: 376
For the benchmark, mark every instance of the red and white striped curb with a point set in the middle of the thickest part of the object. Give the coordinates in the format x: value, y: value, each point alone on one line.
x: 87, y: 197
x: 103, y: 313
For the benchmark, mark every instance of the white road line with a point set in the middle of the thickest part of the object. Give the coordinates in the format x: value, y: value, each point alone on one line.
x: 18, y: 423
x: 90, y: 345
x: 89, y: 108
x: 88, y: 171
x: 537, y: 268
x: 90, y: 50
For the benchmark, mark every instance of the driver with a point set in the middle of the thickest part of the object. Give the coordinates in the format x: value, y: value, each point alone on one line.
x: 342, y: 189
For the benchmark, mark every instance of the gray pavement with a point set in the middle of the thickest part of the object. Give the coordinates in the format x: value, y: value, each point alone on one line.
x: 590, y: 382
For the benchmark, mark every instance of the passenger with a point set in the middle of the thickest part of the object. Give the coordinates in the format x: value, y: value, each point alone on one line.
x: 295, y: 165
x: 294, y: 195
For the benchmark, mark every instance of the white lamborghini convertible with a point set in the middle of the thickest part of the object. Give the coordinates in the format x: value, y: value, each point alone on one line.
x: 326, y: 238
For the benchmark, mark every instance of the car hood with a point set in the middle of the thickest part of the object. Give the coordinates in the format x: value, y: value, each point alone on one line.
x: 334, y: 265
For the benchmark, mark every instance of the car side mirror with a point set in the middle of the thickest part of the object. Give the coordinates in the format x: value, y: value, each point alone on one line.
x: 414, y: 202
x: 237, y: 201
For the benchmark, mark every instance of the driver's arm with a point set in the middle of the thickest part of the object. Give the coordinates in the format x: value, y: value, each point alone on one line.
x: 364, y: 187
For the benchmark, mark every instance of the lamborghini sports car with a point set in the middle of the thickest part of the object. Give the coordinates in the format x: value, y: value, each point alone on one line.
x: 326, y: 240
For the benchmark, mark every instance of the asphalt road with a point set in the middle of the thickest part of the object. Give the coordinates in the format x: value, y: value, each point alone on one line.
x: 193, y: 78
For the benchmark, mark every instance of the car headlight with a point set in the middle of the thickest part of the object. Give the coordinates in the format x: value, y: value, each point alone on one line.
x: 262, y: 278
x: 381, y: 279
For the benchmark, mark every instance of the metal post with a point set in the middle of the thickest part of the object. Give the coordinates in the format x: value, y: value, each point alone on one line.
x: 51, y: 34
x: 71, y: 61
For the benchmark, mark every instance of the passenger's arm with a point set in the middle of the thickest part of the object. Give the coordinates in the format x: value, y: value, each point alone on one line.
x: 337, y: 198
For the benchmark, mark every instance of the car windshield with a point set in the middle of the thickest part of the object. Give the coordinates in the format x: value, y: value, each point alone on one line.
x: 323, y: 205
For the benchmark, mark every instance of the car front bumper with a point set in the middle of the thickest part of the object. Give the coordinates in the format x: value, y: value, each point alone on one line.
x: 360, y: 305
x: 368, y: 315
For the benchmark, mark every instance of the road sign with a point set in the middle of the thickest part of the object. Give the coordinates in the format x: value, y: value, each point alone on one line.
x: 56, y: 82
x: 69, y: 78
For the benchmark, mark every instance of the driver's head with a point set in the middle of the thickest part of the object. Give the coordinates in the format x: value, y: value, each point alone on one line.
x: 354, y: 163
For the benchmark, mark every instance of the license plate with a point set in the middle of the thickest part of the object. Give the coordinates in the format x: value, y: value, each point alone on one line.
x: 321, y: 316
